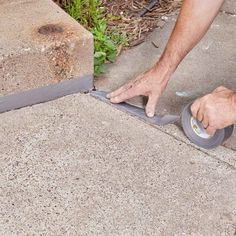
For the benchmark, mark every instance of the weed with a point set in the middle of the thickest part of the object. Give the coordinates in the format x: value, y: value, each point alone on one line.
x: 90, y: 14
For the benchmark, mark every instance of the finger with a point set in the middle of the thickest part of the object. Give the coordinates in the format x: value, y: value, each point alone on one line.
x: 127, y: 94
x: 200, y: 115
x: 119, y: 91
x: 205, y: 122
x: 151, y: 105
x: 211, y: 130
x: 195, y: 108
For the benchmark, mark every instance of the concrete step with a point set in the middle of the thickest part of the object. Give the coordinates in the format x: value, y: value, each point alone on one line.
x: 44, y: 53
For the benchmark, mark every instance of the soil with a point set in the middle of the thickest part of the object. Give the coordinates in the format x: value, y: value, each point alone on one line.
x: 129, y: 22
x: 124, y: 15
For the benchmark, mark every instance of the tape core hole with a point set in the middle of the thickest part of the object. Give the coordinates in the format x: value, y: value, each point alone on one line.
x: 199, y: 129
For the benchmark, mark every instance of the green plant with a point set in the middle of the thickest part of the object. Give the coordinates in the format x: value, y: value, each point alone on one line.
x: 90, y: 14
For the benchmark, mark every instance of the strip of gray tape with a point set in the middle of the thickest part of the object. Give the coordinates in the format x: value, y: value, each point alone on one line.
x: 47, y: 93
x: 136, y: 111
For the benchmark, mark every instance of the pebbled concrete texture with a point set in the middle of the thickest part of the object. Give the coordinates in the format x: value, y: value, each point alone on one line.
x: 69, y: 167
x: 209, y: 65
x: 32, y: 56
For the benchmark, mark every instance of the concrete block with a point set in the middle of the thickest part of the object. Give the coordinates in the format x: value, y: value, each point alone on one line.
x: 229, y: 6
x: 40, y: 46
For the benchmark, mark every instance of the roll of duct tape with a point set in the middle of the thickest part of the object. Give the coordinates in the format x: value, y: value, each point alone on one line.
x: 197, y: 134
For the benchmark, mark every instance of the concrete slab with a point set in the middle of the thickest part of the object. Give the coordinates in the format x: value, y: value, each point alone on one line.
x: 209, y: 65
x: 41, y: 45
x: 76, y: 170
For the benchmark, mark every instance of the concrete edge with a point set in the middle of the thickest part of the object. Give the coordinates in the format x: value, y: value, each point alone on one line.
x: 46, y: 93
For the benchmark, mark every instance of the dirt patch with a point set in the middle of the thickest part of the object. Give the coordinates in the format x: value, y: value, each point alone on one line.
x: 124, y: 15
x: 128, y: 20
x: 50, y: 29
x: 60, y: 62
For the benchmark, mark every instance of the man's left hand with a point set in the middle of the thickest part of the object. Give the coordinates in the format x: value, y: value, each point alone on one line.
x: 216, y: 110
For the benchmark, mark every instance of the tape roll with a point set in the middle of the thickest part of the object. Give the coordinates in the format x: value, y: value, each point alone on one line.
x: 196, y: 133
x: 228, y: 132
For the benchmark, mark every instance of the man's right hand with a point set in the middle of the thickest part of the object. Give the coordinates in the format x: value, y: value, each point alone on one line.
x: 152, y: 84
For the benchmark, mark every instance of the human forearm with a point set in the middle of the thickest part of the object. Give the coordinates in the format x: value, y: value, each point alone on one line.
x: 193, y: 22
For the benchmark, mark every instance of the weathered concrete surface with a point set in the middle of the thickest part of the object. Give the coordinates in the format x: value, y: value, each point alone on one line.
x: 229, y: 6
x: 210, y: 64
x: 75, y: 170
x: 32, y: 56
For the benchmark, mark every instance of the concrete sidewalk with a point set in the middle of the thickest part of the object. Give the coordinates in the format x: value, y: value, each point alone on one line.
x: 76, y: 166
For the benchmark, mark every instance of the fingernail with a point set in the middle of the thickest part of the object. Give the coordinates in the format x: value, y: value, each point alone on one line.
x: 108, y: 95
x: 150, y: 114
x: 113, y: 100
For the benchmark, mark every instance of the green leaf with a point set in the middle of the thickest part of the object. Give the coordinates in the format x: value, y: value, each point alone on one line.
x: 112, y: 56
x: 90, y: 14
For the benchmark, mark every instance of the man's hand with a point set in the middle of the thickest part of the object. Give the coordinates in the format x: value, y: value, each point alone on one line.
x: 152, y: 83
x: 216, y: 110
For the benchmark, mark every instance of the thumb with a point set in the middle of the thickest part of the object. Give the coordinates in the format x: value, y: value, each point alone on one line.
x: 151, y: 105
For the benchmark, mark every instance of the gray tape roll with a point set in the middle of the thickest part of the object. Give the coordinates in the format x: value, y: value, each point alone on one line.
x: 196, y: 133
x: 228, y: 132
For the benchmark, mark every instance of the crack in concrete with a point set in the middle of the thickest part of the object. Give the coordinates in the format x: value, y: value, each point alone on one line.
x: 228, y: 13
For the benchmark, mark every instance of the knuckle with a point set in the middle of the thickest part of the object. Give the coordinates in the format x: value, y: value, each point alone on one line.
x: 220, y: 88
x: 129, y: 85
x: 207, y: 105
